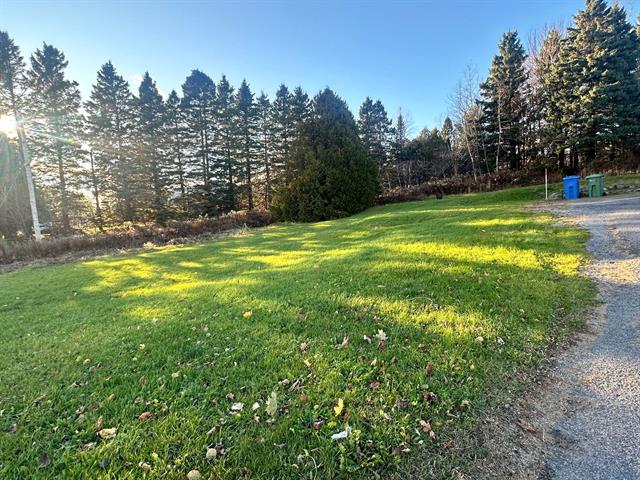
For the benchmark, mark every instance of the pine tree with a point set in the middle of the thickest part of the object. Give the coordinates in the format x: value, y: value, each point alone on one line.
x: 600, y: 97
x: 18, y: 174
x: 283, y: 127
x: 300, y: 107
x: 328, y: 171
x: 504, y: 106
x: 198, y: 102
x: 400, y: 137
x: 375, y: 129
x: 225, y: 168
x: 247, y: 142
x: 150, y: 123
x: 175, y: 132
x: 265, y: 135
x: 447, y: 135
x: 110, y: 122
x: 55, y: 105
x: 546, y: 89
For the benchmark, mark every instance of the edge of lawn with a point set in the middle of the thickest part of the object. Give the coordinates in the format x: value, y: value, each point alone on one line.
x: 484, y: 441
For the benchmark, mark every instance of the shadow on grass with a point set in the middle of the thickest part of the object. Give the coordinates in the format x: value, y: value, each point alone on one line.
x: 471, y: 287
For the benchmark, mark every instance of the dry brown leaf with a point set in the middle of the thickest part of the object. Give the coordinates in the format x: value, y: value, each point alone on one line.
x: 344, y: 344
x: 108, y: 433
x: 526, y: 426
x: 144, y: 416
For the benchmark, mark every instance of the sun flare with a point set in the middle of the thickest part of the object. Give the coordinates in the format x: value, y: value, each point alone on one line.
x: 8, y: 125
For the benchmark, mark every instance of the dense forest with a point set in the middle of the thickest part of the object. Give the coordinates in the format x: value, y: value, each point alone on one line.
x: 568, y: 101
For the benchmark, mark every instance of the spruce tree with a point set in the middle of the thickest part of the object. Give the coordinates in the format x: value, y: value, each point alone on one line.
x: 600, y: 97
x: 283, y: 127
x: 225, y: 169
x: 198, y: 103
x: 175, y: 132
x: 265, y: 135
x: 54, y: 109
x: 18, y: 175
x: 447, y: 136
x: 328, y: 171
x: 300, y: 107
x: 375, y: 130
x: 247, y: 142
x: 110, y: 123
x: 400, y: 137
x: 503, y: 103
x: 151, y: 161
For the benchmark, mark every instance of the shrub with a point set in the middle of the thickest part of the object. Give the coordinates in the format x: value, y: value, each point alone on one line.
x: 131, y: 236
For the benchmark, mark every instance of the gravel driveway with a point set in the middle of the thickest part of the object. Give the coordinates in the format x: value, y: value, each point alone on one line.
x: 599, y: 435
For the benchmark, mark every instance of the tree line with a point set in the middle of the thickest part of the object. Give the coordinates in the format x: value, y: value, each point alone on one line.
x: 572, y: 100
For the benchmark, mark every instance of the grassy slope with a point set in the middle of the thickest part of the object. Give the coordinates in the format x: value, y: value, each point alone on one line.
x: 103, y: 338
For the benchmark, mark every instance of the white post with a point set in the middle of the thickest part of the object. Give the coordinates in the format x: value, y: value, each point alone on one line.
x: 546, y: 188
x: 26, y: 159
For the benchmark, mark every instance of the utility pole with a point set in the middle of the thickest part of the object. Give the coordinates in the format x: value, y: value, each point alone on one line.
x: 26, y: 160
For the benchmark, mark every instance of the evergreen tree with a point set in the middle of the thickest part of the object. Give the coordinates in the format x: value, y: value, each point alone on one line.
x: 400, y: 137
x: 283, y: 127
x: 447, y: 136
x: 175, y: 131
x: 600, y: 98
x: 16, y: 179
x: 225, y: 168
x: 150, y: 123
x: 375, y: 130
x: 55, y: 105
x: 247, y: 121
x: 198, y: 102
x: 110, y: 122
x: 265, y: 135
x: 328, y: 171
x: 547, y: 88
x: 300, y: 107
x: 504, y: 105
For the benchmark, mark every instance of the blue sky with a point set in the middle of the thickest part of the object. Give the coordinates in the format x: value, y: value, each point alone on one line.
x: 409, y: 54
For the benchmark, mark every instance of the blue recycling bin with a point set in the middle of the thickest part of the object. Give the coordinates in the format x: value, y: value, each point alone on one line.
x: 571, y: 187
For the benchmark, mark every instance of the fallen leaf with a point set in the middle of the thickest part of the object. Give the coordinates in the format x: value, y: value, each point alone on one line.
x: 193, y: 475
x: 304, y: 346
x: 367, y: 339
x: 341, y: 435
x: 374, y: 385
x: 381, y: 336
x: 339, y: 407
x: 99, y: 423
x: 344, y: 344
x: 145, y: 466
x: 175, y: 374
x: 479, y: 339
x: 429, y: 396
x: 429, y: 368
x: 237, y: 407
x: 255, y: 406
x: 212, y: 453
x: 526, y: 426
x: 272, y: 404
x: 464, y: 404
x: 247, y: 313
x: 108, y: 433
x: 229, y: 396
x: 144, y: 416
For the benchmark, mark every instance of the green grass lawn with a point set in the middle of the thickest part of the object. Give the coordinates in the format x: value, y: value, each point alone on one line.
x: 405, y: 313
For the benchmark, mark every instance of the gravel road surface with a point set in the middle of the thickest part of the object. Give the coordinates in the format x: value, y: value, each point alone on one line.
x: 599, y: 435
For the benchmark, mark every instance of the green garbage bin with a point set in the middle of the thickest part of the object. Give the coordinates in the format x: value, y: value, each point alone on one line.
x: 595, y: 185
